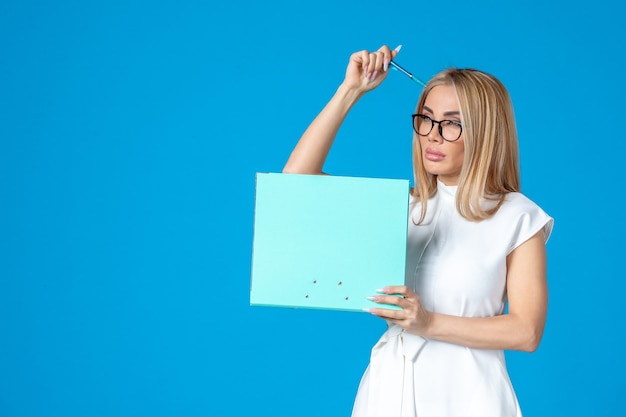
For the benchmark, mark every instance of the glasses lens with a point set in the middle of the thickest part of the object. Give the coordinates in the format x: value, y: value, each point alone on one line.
x: 450, y: 130
x: 423, y: 124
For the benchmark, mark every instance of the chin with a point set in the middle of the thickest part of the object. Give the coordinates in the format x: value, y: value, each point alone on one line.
x: 433, y: 168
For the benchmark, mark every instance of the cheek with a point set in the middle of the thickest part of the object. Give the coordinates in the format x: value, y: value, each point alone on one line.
x: 459, y: 154
x: 461, y: 150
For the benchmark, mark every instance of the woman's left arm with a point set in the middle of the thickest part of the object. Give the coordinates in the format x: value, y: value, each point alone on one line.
x: 520, y: 329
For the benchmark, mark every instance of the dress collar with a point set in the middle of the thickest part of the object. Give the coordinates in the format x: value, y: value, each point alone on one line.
x: 446, y: 189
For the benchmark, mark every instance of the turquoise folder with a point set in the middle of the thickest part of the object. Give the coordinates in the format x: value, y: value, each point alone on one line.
x: 327, y: 242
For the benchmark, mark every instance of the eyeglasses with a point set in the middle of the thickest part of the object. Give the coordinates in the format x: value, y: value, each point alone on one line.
x: 450, y: 130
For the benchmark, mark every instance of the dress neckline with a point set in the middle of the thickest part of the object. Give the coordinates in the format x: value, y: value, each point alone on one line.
x: 447, y: 189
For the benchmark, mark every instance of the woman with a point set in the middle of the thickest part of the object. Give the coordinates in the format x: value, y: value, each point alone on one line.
x: 474, y: 244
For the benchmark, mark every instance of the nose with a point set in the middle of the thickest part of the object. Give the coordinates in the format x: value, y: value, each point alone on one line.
x: 435, y: 133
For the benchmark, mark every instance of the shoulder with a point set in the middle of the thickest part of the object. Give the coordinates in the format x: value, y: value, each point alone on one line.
x: 518, y: 202
x: 524, y: 217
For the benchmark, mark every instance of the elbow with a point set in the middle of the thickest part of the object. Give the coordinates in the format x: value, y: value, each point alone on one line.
x: 530, y: 346
x: 530, y: 340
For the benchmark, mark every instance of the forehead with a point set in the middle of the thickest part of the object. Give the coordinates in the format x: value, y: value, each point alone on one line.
x: 442, y: 99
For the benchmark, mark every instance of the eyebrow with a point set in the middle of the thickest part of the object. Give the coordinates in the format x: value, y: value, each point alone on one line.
x: 448, y: 113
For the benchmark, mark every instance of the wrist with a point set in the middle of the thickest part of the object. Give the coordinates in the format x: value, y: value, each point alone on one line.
x: 349, y: 94
x: 429, y: 325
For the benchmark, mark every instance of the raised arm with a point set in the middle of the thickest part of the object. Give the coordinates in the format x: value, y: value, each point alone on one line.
x: 366, y: 70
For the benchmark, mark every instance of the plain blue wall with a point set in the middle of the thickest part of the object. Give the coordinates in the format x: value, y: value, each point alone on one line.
x: 130, y: 134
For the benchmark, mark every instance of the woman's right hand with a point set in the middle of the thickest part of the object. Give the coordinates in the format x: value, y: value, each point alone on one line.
x: 367, y: 70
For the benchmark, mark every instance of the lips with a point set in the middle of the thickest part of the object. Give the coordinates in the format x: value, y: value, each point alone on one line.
x: 433, y: 155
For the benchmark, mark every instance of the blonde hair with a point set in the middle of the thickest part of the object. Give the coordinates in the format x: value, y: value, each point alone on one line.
x: 491, y: 158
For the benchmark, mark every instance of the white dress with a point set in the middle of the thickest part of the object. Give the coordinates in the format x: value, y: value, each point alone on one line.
x: 457, y: 267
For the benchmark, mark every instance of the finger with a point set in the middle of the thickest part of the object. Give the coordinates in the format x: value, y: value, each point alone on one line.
x: 387, y: 56
x: 402, y: 290
x: 361, y: 59
x: 380, y: 60
x: 373, y: 67
x: 388, y: 314
x: 396, y: 300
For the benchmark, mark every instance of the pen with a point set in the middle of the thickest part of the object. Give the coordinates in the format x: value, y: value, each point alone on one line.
x: 408, y: 74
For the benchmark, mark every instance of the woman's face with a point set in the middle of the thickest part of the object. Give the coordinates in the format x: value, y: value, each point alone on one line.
x: 441, y: 157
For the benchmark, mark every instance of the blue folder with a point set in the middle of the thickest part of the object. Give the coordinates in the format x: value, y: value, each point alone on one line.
x: 327, y: 242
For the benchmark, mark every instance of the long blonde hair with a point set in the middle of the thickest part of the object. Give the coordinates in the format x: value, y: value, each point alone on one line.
x: 491, y: 158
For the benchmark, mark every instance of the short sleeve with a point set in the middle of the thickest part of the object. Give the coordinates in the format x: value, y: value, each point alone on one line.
x: 526, y: 219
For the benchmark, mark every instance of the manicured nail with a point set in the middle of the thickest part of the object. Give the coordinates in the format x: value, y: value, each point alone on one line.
x: 367, y: 310
x: 386, y: 65
x: 398, y: 48
x: 381, y: 290
x: 373, y: 298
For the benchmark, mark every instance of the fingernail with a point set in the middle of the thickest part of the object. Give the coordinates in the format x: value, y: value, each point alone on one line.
x: 371, y: 298
x: 398, y: 48
x: 367, y: 310
x: 381, y: 290
x: 386, y: 65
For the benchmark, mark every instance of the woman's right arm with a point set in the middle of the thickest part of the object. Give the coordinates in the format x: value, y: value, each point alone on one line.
x: 364, y: 73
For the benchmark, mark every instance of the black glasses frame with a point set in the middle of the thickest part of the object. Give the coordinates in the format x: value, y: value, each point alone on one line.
x: 424, y: 118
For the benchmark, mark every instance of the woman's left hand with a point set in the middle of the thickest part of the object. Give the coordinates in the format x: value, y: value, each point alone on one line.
x: 413, y: 317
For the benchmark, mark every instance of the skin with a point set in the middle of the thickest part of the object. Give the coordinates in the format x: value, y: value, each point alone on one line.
x: 365, y: 72
x: 440, y: 157
x: 520, y: 329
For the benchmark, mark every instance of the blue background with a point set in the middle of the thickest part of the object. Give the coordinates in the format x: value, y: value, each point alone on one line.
x: 130, y: 134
